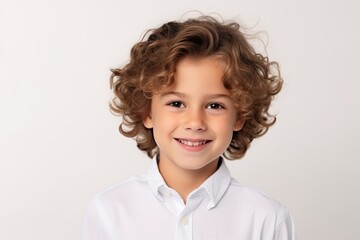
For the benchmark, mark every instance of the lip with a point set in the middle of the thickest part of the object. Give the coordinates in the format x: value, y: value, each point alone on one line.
x: 193, y: 144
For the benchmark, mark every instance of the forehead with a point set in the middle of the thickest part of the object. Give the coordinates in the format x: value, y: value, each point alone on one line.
x: 202, y: 75
x: 198, y: 63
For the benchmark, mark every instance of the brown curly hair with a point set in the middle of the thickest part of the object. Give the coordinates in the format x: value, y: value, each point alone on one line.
x: 250, y: 77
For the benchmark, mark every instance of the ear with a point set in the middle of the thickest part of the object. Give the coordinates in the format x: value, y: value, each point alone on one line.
x: 239, y: 124
x: 148, y: 123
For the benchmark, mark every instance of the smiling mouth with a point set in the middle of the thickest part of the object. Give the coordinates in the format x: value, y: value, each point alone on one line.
x: 192, y: 143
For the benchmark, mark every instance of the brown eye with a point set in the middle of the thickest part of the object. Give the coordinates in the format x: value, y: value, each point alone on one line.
x: 214, y: 106
x: 176, y: 104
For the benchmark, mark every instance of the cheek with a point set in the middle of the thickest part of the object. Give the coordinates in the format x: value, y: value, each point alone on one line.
x: 225, y: 128
x: 162, y: 126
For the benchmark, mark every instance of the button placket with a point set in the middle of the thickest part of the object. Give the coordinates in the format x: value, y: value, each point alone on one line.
x: 184, y: 220
x: 184, y: 228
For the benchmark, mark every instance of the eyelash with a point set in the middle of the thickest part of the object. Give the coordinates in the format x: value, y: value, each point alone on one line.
x: 175, y: 104
x: 215, y: 106
x: 179, y: 104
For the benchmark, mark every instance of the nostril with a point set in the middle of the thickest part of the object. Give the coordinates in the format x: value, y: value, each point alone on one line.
x: 195, y: 123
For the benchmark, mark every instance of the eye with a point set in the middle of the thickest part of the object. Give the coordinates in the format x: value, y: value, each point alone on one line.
x: 176, y: 104
x: 215, y: 106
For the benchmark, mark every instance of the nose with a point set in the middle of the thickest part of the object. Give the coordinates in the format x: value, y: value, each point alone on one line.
x: 195, y: 120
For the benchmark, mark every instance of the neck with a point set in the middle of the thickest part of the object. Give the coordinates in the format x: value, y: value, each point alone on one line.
x: 184, y: 181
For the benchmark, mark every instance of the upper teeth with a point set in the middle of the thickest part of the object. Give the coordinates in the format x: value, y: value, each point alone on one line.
x: 192, y: 144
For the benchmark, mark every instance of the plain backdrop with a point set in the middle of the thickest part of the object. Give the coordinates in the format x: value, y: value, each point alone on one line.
x: 60, y: 145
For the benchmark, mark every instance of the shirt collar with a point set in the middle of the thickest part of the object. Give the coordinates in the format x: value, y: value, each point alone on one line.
x: 215, y: 186
x: 155, y: 179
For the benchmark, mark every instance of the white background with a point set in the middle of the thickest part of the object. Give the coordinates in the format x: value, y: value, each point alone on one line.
x: 59, y: 143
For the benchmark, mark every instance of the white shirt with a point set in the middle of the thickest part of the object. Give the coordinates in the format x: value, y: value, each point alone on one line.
x: 221, y: 208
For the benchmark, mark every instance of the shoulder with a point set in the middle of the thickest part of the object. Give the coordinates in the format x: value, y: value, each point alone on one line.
x: 255, y: 201
x: 101, y: 212
x: 250, y: 194
x: 129, y: 189
x: 255, y: 208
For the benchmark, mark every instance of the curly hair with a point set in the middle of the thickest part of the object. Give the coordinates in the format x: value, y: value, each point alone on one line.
x: 250, y: 77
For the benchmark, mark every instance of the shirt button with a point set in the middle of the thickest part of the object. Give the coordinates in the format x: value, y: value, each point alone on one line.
x: 184, y: 220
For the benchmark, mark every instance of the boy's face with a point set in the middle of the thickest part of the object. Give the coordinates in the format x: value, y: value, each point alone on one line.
x: 193, y: 120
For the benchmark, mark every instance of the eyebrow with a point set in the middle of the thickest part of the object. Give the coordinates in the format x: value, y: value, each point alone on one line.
x: 178, y: 94
x: 183, y: 95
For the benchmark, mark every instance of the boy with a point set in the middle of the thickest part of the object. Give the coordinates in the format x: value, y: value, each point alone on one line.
x: 192, y: 92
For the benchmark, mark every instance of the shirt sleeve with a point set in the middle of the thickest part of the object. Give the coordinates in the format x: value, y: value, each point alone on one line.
x: 286, y: 228
x: 94, y: 226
